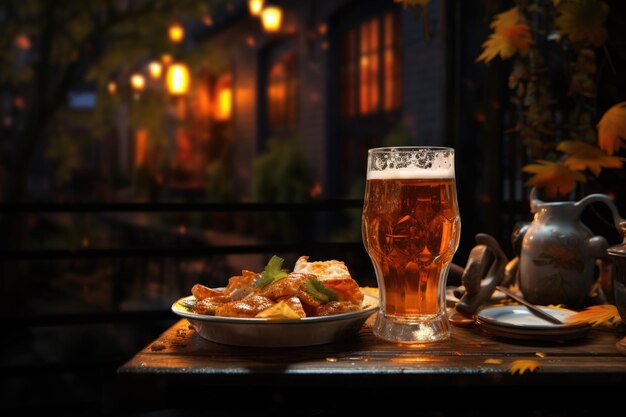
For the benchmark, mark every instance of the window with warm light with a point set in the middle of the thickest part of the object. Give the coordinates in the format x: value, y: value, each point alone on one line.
x: 141, y: 147
x: 223, y: 98
x: 282, y: 93
x: 370, y: 66
x: 177, y: 79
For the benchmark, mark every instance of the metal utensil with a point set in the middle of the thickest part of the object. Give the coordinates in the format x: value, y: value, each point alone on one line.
x: 531, y: 307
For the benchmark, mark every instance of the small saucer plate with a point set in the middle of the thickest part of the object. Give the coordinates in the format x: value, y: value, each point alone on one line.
x: 517, y: 322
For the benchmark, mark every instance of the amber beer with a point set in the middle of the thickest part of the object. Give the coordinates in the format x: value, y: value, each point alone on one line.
x: 411, y: 230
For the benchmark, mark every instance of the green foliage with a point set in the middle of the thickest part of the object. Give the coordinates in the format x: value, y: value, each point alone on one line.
x: 219, y: 178
x: 400, y: 135
x: 48, y: 49
x: 281, y: 174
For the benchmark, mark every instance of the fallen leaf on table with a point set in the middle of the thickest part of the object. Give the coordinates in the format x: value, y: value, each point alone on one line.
x: 522, y: 365
x: 605, y: 314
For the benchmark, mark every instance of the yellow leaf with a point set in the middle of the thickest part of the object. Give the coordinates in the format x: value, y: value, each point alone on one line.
x: 492, y: 361
x: 540, y: 354
x: 581, y: 21
x: 506, y: 19
x: 605, y: 314
x: 612, y: 129
x: 511, y: 35
x: 279, y: 311
x: 556, y: 178
x: 585, y: 156
x: 522, y: 365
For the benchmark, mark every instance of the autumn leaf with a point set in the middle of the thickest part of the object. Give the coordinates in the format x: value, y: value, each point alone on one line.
x: 506, y: 19
x: 492, y: 361
x: 511, y: 35
x: 605, y: 314
x: 612, y: 129
x: 522, y: 365
x: 582, y: 20
x: 556, y: 178
x: 583, y: 156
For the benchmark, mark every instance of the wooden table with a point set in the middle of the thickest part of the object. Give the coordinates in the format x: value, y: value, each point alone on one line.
x: 182, y: 370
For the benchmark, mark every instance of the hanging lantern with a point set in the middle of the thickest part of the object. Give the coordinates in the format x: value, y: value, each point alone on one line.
x: 137, y: 82
x: 177, y: 79
x: 176, y: 32
x: 272, y: 17
x: 155, y: 68
x: 255, y: 7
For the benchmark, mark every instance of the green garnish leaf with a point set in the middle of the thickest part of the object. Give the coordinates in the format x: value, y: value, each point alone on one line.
x: 318, y: 290
x: 271, y: 273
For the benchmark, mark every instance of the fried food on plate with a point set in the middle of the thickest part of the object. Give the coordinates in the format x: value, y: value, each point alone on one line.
x: 313, y: 289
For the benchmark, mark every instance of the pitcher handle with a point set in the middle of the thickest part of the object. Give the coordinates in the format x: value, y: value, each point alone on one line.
x: 599, y: 198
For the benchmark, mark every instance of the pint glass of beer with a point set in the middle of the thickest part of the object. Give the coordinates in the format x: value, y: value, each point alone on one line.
x: 411, y: 228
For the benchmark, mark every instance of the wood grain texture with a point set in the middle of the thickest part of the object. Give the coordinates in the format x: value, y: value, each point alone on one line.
x: 182, y: 371
x: 181, y: 351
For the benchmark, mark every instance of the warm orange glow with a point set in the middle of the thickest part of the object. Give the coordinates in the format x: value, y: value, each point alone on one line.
x: 155, y: 69
x: 207, y: 20
x: 255, y: 7
x: 19, y: 102
x: 177, y: 79
x: 23, y: 42
x: 323, y: 28
x: 112, y: 87
x: 369, y: 100
x: 203, y: 101
x: 141, y: 146
x: 183, y: 146
x: 137, y: 82
x: 272, y: 18
x: 223, y: 98
x: 176, y: 33
x: 166, y: 59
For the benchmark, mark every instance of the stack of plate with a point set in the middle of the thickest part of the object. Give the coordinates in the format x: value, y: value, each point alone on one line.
x: 517, y: 322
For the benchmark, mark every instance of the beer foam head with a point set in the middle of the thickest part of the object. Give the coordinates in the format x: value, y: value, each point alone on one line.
x: 408, y: 163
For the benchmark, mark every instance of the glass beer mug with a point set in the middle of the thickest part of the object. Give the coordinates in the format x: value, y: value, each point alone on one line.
x: 411, y: 228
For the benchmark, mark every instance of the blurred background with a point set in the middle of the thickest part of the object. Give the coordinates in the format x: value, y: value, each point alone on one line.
x: 147, y: 145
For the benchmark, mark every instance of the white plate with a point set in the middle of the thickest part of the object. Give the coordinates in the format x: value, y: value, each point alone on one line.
x: 259, y: 332
x: 517, y: 322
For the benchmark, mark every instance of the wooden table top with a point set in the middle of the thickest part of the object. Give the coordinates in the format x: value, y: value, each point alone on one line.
x: 467, y: 364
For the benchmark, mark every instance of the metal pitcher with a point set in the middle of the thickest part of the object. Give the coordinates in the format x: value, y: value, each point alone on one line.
x: 559, y: 252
